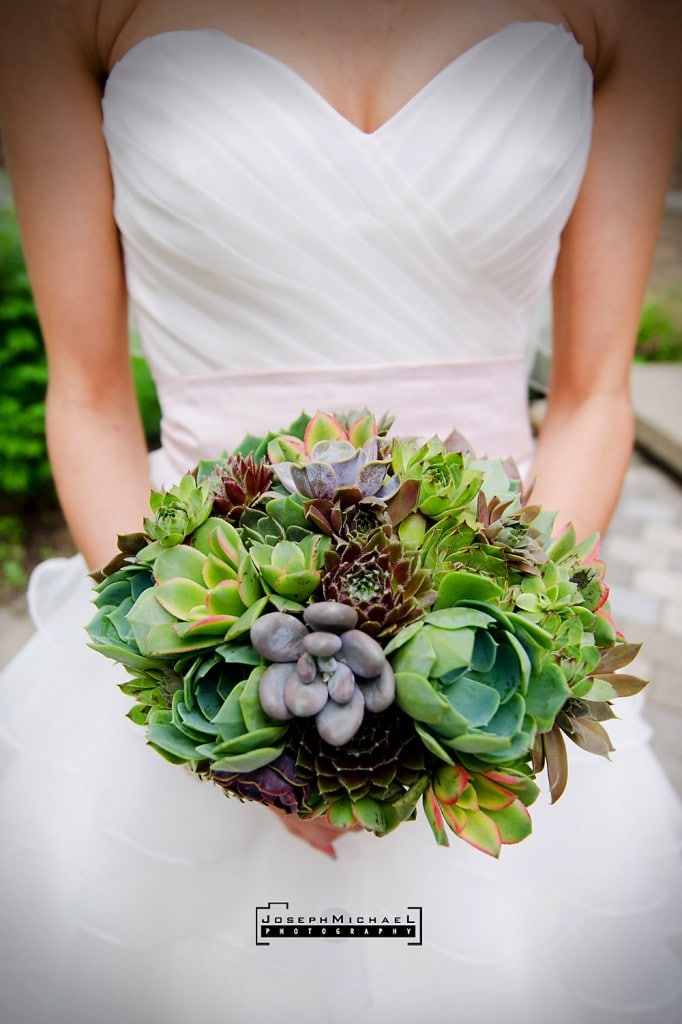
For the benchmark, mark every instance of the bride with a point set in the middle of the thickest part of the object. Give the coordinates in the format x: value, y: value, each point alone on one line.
x: 323, y: 205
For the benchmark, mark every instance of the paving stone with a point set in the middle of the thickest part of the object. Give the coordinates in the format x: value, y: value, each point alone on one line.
x: 665, y: 685
x: 622, y: 526
x: 617, y: 573
x: 671, y: 538
x: 663, y: 647
x: 658, y: 583
x: 676, y: 561
x: 628, y: 603
x: 642, y: 509
x: 667, y: 726
x: 645, y: 555
x: 672, y: 617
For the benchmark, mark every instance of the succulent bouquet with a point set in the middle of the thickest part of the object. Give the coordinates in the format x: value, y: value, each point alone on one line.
x: 333, y: 622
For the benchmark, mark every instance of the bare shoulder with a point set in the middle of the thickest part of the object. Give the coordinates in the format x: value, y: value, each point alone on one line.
x: 42, y: 37
x: 634, y: 40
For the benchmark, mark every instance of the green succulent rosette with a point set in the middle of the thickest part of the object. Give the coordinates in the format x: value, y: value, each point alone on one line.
x: 179, y: 511
x: 215, y: 723
x: 339, y: 623
x: 290, y: 571
x: 477, y: 680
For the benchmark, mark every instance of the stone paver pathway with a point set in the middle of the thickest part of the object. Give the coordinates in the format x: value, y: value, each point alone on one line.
x: 643, y: 553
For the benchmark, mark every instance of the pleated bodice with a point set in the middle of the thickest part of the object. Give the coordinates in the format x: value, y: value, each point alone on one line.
x: 261, y: 229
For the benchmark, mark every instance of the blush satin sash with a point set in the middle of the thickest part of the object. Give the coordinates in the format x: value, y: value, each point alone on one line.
x: 205, y: 415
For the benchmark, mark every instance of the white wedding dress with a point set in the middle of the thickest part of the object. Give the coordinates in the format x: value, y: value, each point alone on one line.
x: 278, y: 258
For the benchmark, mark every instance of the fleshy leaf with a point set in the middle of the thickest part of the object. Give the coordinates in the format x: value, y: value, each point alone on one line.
x: 434, y: 816
x: 180, y: 597
x: 618, y: 657
x: 514, y: 822
x: 479, y: 831
x: 179, y: 562
x: 623, y: 684
x: 556, y: 760
x: 458, y: 587
x: 340, y: 814
x: 249, y: 762
x: 322, y: 427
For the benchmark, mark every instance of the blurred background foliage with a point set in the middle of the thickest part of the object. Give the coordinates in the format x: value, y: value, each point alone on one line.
x: 30, y: 523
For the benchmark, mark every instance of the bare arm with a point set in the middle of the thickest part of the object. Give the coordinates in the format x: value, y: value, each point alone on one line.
x: 602, y: 272
x: 50, y: 120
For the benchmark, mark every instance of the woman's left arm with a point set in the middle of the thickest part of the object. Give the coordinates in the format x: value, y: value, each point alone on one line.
x: 603, y: 266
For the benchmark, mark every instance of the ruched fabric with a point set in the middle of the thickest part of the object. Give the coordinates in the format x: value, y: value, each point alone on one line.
x: 273, y: 250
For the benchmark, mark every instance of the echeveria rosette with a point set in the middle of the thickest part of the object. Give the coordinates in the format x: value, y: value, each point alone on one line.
x: 154, y: 680
x: 568, y: 600
x: 345, y: 518
x: 179, y: 511
x: 495, y: 535
x: 487, y: 809
x: 216, y: 724
x: 356, y: 429
x: 110, y: 630
x: 595, y: 679
x: 447, y: 484
x: 382, y: 580
x: 584, y: 569
x: 477, y: 681
x: 290, y: 571
x: 204, y: 594
x: 281, y: 518
x: 337, y: 466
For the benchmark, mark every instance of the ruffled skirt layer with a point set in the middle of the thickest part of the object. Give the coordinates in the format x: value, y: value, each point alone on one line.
x: 128, y: 889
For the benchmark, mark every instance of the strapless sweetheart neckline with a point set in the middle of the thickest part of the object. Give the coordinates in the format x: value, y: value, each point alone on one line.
x: 284, y: 69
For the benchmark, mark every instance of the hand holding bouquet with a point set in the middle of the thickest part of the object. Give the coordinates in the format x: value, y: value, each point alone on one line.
x: 337, y: 623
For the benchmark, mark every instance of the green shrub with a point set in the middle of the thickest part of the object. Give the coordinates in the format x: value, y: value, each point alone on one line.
x: 24, y: 466
x: 147, y: 400
x: 12, y: 539
x: 659, y: 339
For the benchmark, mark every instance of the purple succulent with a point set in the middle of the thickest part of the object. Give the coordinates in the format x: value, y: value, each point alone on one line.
x: 275, y: 785
x: 337, y: 464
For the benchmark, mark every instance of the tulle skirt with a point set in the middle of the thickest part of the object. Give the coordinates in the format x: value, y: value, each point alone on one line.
x: 129, y: 890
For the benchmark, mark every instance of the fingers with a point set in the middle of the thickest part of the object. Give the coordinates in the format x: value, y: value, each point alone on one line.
x: 316, y: 832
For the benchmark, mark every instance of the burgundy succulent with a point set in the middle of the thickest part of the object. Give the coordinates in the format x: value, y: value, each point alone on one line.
x: 381, y: 580
x: 275, y: 785
x: 239, y: 483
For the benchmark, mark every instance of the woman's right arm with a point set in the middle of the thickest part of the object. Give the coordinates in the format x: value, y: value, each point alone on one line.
x: 50, y: 123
